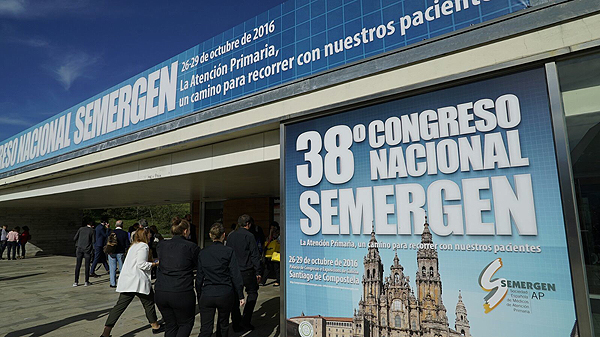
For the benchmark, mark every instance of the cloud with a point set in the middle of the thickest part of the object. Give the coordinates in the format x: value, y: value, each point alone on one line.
x: 12, y: 7
x: 14, y: 121
x: 72, y: 66
x: 27, y: 9
x: 35, y: 42
x: 31, y: 42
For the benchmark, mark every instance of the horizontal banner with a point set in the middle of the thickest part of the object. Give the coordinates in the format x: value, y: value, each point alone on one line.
x: 433, y: 215
x: 291, y: 41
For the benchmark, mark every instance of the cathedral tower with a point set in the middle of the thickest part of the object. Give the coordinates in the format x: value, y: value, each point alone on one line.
x: 462, y: 323
x: 429, y: 284
x: 372, y: 279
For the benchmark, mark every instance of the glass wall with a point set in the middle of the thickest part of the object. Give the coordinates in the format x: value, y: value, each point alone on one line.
x: 580, y: 87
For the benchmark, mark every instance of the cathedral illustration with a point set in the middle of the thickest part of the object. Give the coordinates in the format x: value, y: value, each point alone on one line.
x: 388, y: 305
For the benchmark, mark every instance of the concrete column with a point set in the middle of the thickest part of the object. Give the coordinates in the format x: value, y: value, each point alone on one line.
x: 52, y: 229
x: 196, y: 206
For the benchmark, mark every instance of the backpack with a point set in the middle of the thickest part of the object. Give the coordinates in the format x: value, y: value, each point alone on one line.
x: 111, y: 243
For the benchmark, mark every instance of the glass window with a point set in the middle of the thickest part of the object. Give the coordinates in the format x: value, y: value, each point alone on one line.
x: 580, y: 86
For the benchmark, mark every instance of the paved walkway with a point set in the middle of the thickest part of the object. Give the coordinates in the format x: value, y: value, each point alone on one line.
x: 37, y: 299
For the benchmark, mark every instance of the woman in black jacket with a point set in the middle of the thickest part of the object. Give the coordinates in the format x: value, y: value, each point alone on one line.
x: 174, y: 288
x: 218, y: 283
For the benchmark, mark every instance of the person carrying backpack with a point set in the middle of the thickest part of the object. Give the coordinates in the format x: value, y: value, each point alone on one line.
x: 116, y: 257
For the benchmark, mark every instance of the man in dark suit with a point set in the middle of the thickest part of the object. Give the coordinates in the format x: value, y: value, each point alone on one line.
x: 99, y: 256
x: 84, y: 241
x: 246, y: 251
x: 117, y: 257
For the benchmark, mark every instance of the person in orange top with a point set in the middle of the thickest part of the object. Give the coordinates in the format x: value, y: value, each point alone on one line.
x: 13, y: 242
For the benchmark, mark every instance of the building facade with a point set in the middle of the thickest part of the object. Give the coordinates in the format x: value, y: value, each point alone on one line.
x: 231, y: 151
x: 389, y: 306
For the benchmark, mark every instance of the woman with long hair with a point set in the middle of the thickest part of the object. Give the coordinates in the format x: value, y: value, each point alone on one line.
x: 219, y: 283
x: 175, y: 296
x: 134, y: 281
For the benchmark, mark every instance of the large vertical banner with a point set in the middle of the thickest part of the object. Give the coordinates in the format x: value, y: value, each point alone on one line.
x: 433, y: 215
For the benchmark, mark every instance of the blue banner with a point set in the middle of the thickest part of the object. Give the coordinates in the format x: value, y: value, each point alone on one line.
x: 293, y: 40
x: 438, y: 215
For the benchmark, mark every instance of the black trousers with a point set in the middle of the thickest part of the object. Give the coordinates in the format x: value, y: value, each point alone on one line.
x: 2, y: 247
x: 99, y: 257
x: 81, y: 254
x: 270, y: 265
x: 12, y: 247
x: 251, y: 286
x: 208, y: 305
x: 124, y: 301
x: 22, y: 247
x: 178, y: 311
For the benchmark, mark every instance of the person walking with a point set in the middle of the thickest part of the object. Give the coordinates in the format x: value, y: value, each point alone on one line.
x: 155, y: 238
x: 272, y: 246
x: 134, y: 281
x: 246, y: 253
x: 192, y: 236
x: 84, y: 241
x: 219, y: 283
x: 132, y: 229
x: 3, y: 240
x: 116, y: 258
x: 101, y: 233
x: 23, y: 239
x: 12, y: 241
x: 174, y: 287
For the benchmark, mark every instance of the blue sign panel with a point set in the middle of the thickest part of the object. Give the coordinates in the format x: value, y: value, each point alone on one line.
x: 293, y: 40
x: 433, y: 215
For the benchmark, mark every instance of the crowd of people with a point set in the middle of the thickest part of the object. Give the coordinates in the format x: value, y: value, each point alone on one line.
x: 214, y: 278
x: 14, y: 242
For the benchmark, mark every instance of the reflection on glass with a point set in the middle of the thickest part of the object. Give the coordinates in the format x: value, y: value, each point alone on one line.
x: 580, y: 86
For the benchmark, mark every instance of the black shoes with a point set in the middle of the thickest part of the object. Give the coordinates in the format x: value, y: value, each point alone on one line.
x: 159, y: 330
x: 113, y: 286
x: 243, y: 327
x: 237, y: 328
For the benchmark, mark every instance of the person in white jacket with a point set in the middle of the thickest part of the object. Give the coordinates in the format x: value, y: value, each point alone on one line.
x: 135, y: 281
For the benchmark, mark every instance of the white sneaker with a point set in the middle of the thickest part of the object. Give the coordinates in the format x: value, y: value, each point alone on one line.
x: 87, y: 284
x: 75, y: 284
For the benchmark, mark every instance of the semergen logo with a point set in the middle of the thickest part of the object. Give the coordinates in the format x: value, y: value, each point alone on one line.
x: 496, y: 288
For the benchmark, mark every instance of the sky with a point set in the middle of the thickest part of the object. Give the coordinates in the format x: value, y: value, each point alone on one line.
x: 57, y: 53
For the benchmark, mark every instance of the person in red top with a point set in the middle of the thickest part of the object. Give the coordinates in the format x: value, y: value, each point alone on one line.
x: 23, y: 238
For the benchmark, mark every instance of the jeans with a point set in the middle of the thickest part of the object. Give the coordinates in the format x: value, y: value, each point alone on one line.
x: 124, y: 301
x: 22, y: 247
x: 178, y: 310
x: 99, y: 257
x: 81, y: 254
x: 208, y: 305
x: 12, y: 247
x: 251, y: 285
x: 2, y: 248
x: 113, y: 260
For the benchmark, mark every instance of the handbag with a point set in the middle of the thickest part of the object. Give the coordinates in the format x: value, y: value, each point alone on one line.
x: 111, y: 244
x: 276, y: 257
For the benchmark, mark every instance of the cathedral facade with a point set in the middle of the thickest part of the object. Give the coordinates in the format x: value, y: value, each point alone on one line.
x: 390, y: 308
